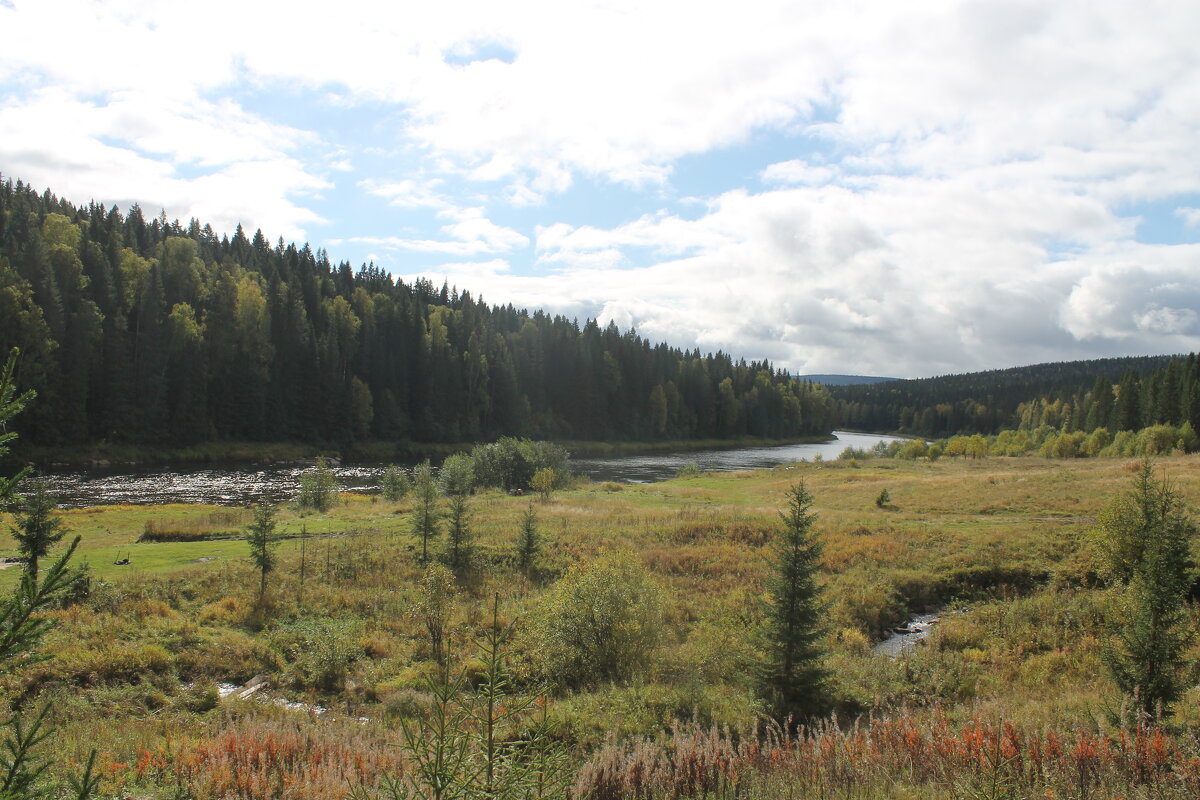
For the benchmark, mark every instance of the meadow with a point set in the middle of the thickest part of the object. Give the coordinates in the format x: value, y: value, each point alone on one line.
x: 1008, y: 698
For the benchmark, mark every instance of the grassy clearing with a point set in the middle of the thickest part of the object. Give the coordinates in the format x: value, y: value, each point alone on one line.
x: 1005, y: 539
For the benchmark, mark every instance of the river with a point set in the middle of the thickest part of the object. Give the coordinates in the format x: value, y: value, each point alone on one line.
x: 239, y: 485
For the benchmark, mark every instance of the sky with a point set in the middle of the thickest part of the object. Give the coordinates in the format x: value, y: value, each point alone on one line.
x: 883, y: 188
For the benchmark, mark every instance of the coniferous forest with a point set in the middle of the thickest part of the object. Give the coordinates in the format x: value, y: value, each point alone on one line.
x: 154, y: 332
x: 1118, y: 394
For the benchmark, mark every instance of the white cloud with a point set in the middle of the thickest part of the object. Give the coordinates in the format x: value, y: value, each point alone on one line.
x: 798, y: 171
x: 470, y: 233
x: 1148, y: 295
x: 243, y: 172
x: 963, y: 211
x: 407, y: 193
x: 919, y: 278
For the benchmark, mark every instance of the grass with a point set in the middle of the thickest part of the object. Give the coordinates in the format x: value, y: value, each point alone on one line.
x: 1005, y: 539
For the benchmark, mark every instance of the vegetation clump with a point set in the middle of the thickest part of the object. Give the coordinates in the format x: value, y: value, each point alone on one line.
x: 395, y: 484
x: 601, y: 622
x: 318, y: 488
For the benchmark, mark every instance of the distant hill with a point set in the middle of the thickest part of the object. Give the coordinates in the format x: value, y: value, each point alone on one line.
x: 1082, y: 395
x: 843, y: 380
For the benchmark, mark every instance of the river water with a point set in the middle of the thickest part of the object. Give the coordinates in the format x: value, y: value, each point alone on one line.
x: 660, y: 466
x: 239, y: 485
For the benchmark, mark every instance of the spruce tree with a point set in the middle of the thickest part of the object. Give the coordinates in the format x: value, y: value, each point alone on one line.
x: 11, y: 404
x: 459, y: 544
x: 794, y: 676
x: 425, y: 516
x: 22, y: 768
x: 529, y: 543
x: 1146, y: 537
x: 37, y: 528
x: 261, y: 538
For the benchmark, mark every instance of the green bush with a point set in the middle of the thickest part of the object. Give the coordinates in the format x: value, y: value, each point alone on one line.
x: 913, y: 449
x: 318, y: 487
x: 511, y: 463
x: 319, y: 652
x: 457, y: 475
x: 395, y: 484
x: 601, y: 622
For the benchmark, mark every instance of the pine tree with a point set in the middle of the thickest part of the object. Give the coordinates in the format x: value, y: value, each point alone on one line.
x: 794, y: 676
x: 1146, y: 537
x: 37, y: 528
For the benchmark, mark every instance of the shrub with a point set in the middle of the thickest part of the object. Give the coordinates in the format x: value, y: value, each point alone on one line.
x: 317, y: 487
x: 457, y: 475
x: 543, y: 482
x: 511, y: 463
x: 601, y: 622
x: 395, y: 484
x: 689, y: 470
x: 319, y: 652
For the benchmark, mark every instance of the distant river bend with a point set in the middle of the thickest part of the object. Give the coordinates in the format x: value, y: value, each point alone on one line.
x: 240, y: 485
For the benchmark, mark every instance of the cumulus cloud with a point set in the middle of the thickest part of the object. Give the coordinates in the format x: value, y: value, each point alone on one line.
x: 917, y: 280
x: 132, y: 149
x: 954, y: 199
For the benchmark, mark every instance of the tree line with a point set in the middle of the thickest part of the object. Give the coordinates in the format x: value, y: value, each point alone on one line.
x: 154, y: 332
x: 1117, y: 394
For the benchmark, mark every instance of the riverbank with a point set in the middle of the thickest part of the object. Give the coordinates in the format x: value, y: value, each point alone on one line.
x: 105, y: 455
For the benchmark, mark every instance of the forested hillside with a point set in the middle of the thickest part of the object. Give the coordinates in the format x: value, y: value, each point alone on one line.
x: 149, y: 331
x: 1119, y: 394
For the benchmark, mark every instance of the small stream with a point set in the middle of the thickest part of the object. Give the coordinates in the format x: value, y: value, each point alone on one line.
x: 908, y: 636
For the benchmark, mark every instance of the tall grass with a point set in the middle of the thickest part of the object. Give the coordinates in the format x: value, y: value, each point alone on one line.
x: 880, y: 758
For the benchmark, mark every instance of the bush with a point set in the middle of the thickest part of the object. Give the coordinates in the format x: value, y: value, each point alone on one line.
x: 689, y: 470
x: 601, y: 622
x: 319, y: 652
x: 1156, y: 440
x: 457, y: 475
x: 913, y: 449
x: 395, y: 484
x: 511, y: 463
x: 543, y: 482
x: 317, y: 487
